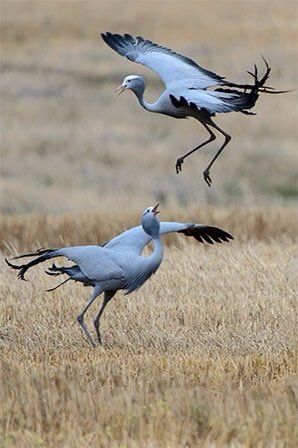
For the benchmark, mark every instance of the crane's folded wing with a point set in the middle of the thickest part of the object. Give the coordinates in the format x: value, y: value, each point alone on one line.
x: 93, y: 261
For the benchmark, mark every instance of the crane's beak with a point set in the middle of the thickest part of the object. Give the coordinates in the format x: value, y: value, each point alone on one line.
x: 154, y: 210
x: 120, y: 89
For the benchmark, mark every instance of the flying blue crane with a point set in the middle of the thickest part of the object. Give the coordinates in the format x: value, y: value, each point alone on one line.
x: 190, y: 90
x: 118, y: 264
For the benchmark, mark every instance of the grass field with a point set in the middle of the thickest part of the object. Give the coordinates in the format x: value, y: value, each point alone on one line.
x: 69, y: 145
x: 205, y: 354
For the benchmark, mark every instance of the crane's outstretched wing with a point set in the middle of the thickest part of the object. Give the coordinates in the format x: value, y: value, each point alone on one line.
x: 170, y: 66
x: 134, y: 240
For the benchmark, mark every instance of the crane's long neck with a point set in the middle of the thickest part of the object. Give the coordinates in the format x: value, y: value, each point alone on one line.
x: 156, y: 257
x: 143, y: 102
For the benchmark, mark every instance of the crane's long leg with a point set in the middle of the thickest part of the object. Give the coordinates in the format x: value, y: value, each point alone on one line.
x: 181, y: 159
x: 206, y: 173
x: 80, y: 318
x: 107, y: 297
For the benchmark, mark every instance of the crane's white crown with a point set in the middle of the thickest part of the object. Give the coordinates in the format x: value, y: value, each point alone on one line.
x: 148, y: 210
x: 135, y: 83
x: 132, y: 78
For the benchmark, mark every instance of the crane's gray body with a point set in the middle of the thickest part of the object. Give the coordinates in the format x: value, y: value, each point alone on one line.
x: 119, y: 263
x: 109, y: 269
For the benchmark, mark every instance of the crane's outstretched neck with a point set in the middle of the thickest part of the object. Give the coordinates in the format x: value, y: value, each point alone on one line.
x: 151, y: 226
x: 147, y: 106
x: 137, y: 84
x: 156, y: 257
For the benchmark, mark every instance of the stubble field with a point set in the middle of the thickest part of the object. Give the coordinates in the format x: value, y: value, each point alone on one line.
x: 205, y: 354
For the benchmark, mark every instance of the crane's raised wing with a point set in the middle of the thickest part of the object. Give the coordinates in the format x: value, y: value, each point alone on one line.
x: 170, y: 66
x: 134, y: 240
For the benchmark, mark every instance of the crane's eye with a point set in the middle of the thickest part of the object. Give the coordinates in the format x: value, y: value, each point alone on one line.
x: 128, y: 80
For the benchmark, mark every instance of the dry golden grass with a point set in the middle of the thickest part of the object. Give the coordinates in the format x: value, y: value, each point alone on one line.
x: 69, y: 145
x: 205, y: 354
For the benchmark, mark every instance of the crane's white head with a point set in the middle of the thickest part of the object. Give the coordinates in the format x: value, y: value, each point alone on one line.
x: 150, y: 222
x: 132, y: 82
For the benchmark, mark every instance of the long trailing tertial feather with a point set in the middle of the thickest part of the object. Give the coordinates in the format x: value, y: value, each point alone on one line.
x: 58, y: 286
x: 42, y: 256
x: 260, y: 84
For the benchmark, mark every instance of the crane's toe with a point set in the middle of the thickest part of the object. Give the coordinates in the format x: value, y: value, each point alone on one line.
x: 179, y: 165
x: 207, y: 178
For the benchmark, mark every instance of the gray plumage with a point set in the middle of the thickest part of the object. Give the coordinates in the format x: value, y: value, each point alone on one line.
x: 190, y: 90
x: 118, y: 264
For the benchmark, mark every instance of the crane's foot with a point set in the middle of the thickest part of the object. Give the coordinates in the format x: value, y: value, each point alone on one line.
x: 207, y: 177
x: 179, y: 165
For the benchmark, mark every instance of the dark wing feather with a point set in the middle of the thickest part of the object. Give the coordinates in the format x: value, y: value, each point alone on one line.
x: 207, y: 234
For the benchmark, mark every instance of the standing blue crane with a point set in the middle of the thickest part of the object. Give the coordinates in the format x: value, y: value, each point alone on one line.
x: 118, y: 264
x: 191, y: 90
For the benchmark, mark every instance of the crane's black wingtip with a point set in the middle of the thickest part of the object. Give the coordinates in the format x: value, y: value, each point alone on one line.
x: 104, y: 37
x: 224, y: 236
x: 207, y: 234
x: 115, y: 41
x: 107, y: 37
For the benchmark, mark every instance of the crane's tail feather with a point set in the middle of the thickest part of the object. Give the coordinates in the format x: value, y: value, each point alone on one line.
x: 244, y: 100
x: 40, y: 251
x: 42, y: 255
x: 259, y: 84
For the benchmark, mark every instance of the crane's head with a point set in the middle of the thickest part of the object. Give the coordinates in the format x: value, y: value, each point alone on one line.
x: 150, y: 222
x: 132, y: 82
